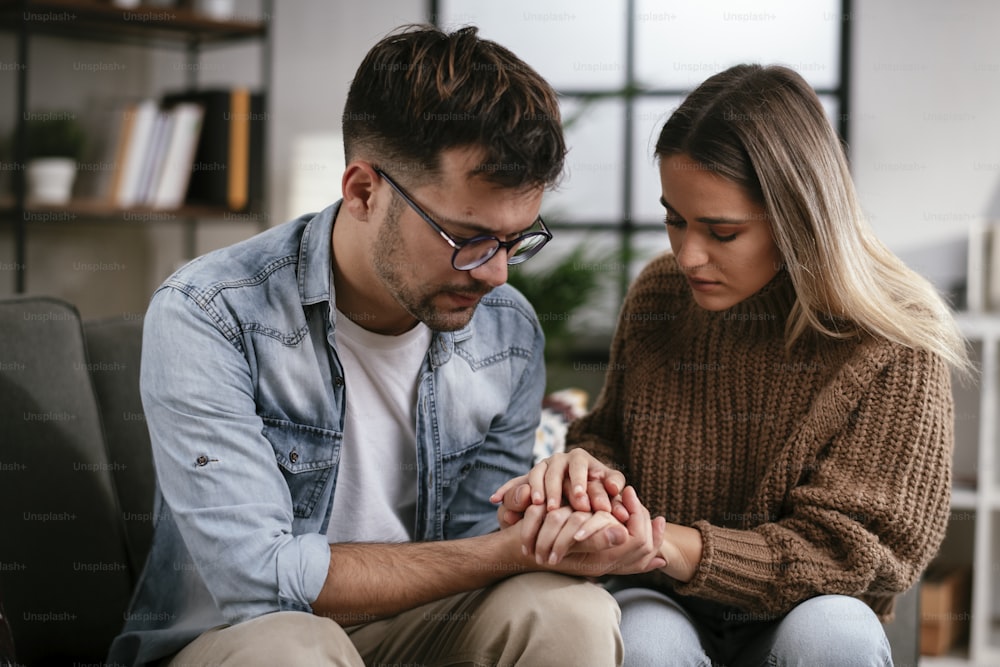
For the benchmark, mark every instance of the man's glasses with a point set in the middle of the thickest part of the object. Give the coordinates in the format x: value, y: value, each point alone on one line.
x: 474, y: 252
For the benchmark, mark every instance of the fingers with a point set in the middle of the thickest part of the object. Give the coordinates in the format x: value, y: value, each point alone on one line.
x: 575, y: 477
x: 531, y: 523
x: 518, y: 498
x: 578, y: 478
x: 618, y: 509
x: 506, y: 518
x: 588, y: 484
x: 558, y: 535
x: 613, y: 480
x: 555, y: 473
x: 659, y: 532
x: 536, y: 480
x: 650, y: 531
x: 598, y: 494
x: 556, y: 522
x: 499, y: 494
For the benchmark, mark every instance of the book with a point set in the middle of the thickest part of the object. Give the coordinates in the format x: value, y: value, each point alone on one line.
x: 124, y: 118
x: 153, y: 158
x: 227, y: 169
x: 136, y: 148
x: 178, y: 159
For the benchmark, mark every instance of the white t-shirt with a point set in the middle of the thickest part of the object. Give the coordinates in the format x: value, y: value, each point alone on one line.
x: 376, y: 496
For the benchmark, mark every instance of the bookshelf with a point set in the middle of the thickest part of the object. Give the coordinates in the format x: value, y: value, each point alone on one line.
x: 974, y: 534
x: 146, y: 27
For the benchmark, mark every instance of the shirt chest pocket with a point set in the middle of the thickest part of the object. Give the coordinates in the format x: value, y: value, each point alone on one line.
x: 306, y: 456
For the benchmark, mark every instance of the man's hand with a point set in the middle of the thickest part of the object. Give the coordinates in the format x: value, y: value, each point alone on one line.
x: 593, y: 543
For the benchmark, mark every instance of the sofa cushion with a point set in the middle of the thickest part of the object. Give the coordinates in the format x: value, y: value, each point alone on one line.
x: 65, y: 578
x: 114, y: 347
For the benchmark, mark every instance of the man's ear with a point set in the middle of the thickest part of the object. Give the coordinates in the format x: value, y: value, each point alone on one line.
x: 358, y: 186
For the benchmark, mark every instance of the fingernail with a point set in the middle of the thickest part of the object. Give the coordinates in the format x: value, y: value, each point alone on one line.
x: 524, y: 550
x: 553, y: 504
x: 552, y: 559
x: 578, y: 490
x: 536, y: 497
x: 580, y: 534
x: 538, y: 558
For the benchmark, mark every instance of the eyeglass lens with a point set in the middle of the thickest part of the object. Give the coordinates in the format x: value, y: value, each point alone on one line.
x: 479, y: 251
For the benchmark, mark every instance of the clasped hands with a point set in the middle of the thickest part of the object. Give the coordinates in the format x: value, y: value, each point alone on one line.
x: 578, y: 516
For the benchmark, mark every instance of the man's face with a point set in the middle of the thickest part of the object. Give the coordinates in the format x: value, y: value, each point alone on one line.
x: 413, y: 261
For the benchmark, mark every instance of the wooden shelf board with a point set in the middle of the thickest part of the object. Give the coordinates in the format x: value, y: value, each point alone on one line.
x: 97, y: 209
x: 88, y: 19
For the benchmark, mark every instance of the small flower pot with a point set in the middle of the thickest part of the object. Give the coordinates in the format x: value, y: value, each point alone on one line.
x: 50, y: 180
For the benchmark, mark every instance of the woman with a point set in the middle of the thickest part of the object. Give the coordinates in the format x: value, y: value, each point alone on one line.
x: 779, y: 391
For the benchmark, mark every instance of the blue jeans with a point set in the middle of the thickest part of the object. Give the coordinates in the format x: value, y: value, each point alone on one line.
x: 835, y: 630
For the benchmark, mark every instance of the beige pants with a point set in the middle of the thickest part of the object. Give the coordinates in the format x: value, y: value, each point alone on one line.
x: 530, y: 620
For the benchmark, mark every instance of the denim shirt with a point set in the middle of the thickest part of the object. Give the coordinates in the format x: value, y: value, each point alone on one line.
x: 244, y: 398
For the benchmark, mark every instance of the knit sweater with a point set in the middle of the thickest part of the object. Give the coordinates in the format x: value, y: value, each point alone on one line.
x: 825, y: 469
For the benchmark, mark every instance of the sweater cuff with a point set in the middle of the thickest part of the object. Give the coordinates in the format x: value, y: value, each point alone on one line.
x: 737, y: 567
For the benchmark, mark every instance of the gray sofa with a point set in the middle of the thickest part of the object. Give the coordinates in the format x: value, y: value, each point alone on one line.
x: 77, y: 481
x: 76, y: 493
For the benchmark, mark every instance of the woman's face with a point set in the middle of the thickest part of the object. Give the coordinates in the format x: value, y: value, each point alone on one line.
x: 720, y: 236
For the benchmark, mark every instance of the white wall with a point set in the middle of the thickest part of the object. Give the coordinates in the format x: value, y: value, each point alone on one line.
x: 318, y: 45
x: 925, y: 136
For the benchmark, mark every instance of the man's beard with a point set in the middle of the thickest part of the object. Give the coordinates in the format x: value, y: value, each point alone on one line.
x: 416, y: 301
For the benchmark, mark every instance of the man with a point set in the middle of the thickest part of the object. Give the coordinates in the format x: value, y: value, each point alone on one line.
x: 332, y: 402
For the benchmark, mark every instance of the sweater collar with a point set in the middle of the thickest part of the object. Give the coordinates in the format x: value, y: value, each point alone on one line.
x: 764, y: 313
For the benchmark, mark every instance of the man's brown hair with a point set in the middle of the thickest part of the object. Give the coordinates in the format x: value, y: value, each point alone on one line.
x: 420, y: 91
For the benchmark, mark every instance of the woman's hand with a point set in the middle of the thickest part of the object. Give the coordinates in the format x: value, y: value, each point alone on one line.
x: 586, y: 484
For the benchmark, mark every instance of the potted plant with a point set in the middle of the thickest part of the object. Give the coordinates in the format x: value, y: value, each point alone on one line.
x: 560, y: 289
x: 55, y: 143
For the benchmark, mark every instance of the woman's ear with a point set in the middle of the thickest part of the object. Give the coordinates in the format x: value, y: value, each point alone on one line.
x: 358, y: 187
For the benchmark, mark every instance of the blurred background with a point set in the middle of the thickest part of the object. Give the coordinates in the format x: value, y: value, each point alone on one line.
x: 909, y: 84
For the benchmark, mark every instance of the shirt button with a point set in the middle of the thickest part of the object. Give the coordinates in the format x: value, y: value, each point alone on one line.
x: 338, y: 381
x: 294, y: 456
x: 201, y: 460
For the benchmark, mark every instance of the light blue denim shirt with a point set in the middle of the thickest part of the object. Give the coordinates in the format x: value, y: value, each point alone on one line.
x: 244, y: 397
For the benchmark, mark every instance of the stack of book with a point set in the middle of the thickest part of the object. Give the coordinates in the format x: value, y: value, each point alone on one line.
x: 192, y: 148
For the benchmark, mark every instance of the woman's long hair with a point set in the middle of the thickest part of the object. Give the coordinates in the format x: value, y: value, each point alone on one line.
x: 765, y: 129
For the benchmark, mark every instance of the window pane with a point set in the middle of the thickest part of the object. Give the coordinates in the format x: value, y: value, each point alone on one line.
x: 650, y: 115
x: 575, y: 44
x: 591, y: 188
x: 679, y: 45
x: 601, y: 260
x: 832, y: 106
x: 647, y: 245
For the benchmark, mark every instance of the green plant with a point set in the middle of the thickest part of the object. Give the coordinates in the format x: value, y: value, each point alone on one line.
x: 559, y: 289
x: 54, y: 134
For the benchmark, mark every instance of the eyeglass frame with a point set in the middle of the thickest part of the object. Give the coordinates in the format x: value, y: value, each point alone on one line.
x: 457, y: 244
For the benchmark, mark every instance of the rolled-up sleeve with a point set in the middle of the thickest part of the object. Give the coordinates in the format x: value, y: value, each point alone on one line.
x: 216, y: 470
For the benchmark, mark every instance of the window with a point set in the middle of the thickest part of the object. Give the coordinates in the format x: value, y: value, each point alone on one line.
x: 621, y: 68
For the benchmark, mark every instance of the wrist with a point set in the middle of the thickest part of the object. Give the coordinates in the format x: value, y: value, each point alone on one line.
x: 513, y: 556
x: 682, y: 548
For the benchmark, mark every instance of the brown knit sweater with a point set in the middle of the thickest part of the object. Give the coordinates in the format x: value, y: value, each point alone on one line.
x: 823, y: 470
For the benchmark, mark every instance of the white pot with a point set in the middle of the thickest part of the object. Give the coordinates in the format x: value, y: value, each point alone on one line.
x: 50, y: 179
x: 220, y: 10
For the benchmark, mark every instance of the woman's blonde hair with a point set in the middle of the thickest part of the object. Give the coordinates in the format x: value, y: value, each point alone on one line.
x: 765, y: 129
